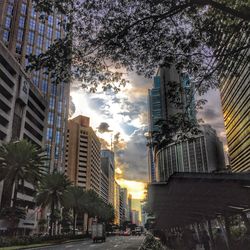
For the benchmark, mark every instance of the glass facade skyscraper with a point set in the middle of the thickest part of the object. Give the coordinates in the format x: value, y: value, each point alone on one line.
x: 23, y: 32
x: 235, y: 99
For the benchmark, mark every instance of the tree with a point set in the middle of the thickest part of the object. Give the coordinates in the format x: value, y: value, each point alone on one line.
x: 50, y: 193
x: 74, y: 199
x: 201, y: 37
x: 20, y: 162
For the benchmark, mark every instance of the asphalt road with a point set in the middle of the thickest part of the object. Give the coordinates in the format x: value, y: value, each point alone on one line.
x: 112, y: 243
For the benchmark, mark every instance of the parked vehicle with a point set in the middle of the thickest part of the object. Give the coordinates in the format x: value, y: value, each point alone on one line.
x: 98, y: 232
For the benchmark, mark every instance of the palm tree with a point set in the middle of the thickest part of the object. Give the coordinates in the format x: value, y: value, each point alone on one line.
x: 92, y: 205
x: 20, y: 162
x: 51, y: 192
x: 74, y: 198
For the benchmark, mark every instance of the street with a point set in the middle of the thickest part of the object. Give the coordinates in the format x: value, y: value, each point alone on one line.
x: 116, y: 242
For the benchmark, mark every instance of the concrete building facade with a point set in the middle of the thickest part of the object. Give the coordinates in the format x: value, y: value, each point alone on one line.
x: 22, y: 116
x: 24, y: 33
x: 83, y: 155
x: 202, y: 153
x: 235, y: 99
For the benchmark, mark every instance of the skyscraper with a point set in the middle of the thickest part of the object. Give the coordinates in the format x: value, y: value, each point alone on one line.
x: 235, y: 97
x: 172, y: 93
x: 107, y: 176
x: 24, y: 33
x: 203, y: 153
x: 83, y: 155
x: 22, y: 116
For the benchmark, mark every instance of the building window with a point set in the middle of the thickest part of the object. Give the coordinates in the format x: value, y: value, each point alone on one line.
x: 10, y: 10
x: 58, y: 34
x: 47, y: 44
x: 49, y: 134
x: 6, y: 35
x: 29, y: 50
x: 44, y: 86
x: 50, y: 118
x: 32, y: 24
x: 33, y: 12
x: 23, y: 8
x: 53, y: 89
x: 49, y: 32
x: 20, y: 35
x: 58, y: 136
x: 41, y: 28
x: 21, y: 22
x: 39, y: 41
x: 60, y: 107
x: 7, y: 22
x: 50, y: 20
x: 38, y: 51
x: 52, y: 103
x: 31, y: 37
x: 59, y: 120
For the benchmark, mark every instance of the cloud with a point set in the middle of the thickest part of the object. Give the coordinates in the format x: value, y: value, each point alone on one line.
x: 104, y: 128
x: 132, y: 160
x: 72, y: 107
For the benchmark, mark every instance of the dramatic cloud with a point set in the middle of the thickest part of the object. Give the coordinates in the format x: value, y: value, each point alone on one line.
x: 104, y: 128
x: 72, y: 107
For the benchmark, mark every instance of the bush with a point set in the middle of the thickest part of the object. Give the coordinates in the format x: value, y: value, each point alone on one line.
x: 28, y: 240
x: 150, y: 243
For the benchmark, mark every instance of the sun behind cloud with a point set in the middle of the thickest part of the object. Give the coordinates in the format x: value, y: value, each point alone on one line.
x: 135, y: 188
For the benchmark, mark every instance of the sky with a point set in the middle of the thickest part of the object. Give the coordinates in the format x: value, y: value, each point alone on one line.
x: 120, y: 120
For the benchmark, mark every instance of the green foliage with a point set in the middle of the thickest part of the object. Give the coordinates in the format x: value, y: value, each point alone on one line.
x: 21, y: 161
x: 150, y: 243
x: 51, y: 192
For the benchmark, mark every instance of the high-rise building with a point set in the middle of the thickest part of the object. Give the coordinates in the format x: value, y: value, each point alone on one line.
x: 130, y: 207
x: 107, y: 176
x: 117, y: 203
x: 24, y: 33
x: 124, y: 202
x: 163, y: 104
x: 135, y: 217
x: 202, y: 153
x: 235, y: 97
x: 83, y: 155
x: 22, y: 116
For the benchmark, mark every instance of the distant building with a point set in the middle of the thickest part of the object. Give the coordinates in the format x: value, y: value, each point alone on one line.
x: 107, y: 176
x: 235, y: 97
x: 162, y: 106
x: 135, y: 217
x: 83, y: 155
x: 24, y: 33
x: 22, y: 116
x: 117, y: 203
x: 202, y: 153
x: 130, y: 207
x: 124, y: 201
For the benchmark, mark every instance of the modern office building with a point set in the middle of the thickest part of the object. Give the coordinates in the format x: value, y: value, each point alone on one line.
x: 135, y: 217
x: 107, y: 176
x: 172, y: 93
x: 83, y: 155
x: 202, y: 153
x: 117, y: 203
x: 24, y: 33
x: 130, y: 207
x: 124, y: 205
x: 22, y: 116
x: 235, y: 97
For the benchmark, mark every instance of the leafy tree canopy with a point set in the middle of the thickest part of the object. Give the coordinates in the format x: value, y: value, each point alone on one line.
x: 107, y: 38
